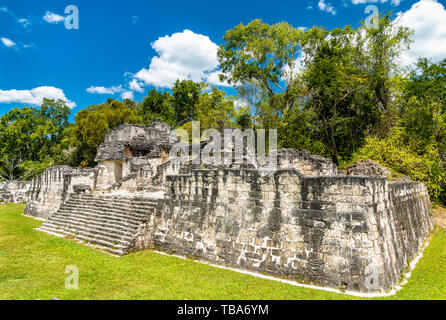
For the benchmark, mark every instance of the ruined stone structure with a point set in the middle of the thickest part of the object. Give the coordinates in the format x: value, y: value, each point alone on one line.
x: 306, y: 221
x: 14, y: 191
x: 368, y: 168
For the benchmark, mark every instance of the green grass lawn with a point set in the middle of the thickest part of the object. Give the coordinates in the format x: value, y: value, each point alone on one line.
x: 32, y: 266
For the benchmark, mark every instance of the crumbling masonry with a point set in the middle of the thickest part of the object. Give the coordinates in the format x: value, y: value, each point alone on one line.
x: 306, y: 221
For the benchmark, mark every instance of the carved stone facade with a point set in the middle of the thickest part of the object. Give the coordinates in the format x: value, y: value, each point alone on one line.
x: 307, y: 220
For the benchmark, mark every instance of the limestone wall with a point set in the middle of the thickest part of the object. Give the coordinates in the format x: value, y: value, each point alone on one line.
x: 52, y: 188
x: 14, y: 191
x: 306, y: 163
x: 355, y: 233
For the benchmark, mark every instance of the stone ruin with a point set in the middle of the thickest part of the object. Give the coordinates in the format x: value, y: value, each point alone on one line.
x: 368, y: 168
x: 306, y: 221
x: 14, y: 191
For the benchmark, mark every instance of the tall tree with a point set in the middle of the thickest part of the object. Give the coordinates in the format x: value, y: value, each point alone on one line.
x: 186, y: 94
x: 157, y: 106
x: 30, y: 139
x: 257, y: 57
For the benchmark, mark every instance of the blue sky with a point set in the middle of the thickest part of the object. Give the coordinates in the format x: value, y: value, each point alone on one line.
x: 124, y: 48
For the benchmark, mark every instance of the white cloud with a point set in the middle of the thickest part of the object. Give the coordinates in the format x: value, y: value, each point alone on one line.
x: 214, y: 79
x: 127, y: 95
x: 24, y: 22
x: 393, y: 2
x: 327, y: 7
x: 183, y: 55
x: 428, y: 20
x: 104, y: 90
x: 34, y: 96
x: 8, y: 42
x: 135, y: 85
x: 51, y: 17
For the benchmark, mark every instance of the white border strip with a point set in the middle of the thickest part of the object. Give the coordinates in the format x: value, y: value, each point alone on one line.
x: 32, y: 217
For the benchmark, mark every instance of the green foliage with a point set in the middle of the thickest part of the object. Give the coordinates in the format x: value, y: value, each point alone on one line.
x: 94, y: 122
x: 157, y: 106
x: 394, y: 152
x: 348, y: 78
x: 257, y: 56
x: 339, y: 80
x: 186, y: 95
x: 244, y: 120
x: 416, y: 145
x: 216, y: 111
x: 428, y: 80
x: 30, y: 139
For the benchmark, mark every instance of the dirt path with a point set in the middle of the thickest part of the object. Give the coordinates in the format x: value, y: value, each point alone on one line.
x: 440, y: 216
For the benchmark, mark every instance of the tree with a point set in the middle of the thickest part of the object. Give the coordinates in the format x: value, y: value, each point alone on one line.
x: 382, y: 48
x: 30, y: 139
x: 258, y: 56
x: 157, y: 106
x: 94, y: 122
x: 215, y: 110
x: 338, y: 95
x: 340, y: 80
x: 428, y: 80
x: 186, y: 94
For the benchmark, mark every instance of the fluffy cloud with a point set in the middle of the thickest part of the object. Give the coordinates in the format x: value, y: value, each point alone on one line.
x: 34, y: 96
x: 51, y: 17
x: 104, y: 90
x: 127, y: 95
x: 184, y: 55
x: 8, y: 42
x: 327, y: 7
x: 428, y: 20
x: 393, y: 2
x: 135, y: 85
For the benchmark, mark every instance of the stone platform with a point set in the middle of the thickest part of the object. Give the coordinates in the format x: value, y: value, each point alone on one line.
x: 306, y: 221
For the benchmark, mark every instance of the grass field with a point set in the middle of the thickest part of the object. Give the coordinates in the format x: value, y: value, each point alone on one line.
x: 32, y: 266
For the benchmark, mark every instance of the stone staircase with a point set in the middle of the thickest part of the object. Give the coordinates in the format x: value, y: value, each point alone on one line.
x: 110, y: 223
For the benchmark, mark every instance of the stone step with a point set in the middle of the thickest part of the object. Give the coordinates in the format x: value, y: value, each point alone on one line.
x: 108, y: 222
x: 105, y: 204
x: 140, y: 200
x: 123, y: 226
x: 93, y: 231
x: 113, y: 250
x: 117, y: 209
x: 118, y: 241
x: 100, y: 219
x: 92, y: 237
x: 109, y: 214
x: 113, y: 230
x: 105, y: 215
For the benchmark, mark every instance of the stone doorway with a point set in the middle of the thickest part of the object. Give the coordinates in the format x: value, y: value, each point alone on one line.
x: 118, y: 171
